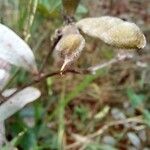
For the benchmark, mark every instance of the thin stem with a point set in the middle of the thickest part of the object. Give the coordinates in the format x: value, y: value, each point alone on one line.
x: 89, y: 70
x: 41, y: 78
x: 61, y: 124
x: 32, y: 11
x: 100, y: 131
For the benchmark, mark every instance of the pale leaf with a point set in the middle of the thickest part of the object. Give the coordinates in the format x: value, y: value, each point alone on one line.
x: 15, y: 51
x: 18, y: 101
x: 2, y: 134
x: 4, y: 76
x: 113, y: 31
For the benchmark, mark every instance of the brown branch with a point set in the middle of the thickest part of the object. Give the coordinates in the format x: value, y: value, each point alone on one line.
x: 43, y: 77
x: 90, y: 70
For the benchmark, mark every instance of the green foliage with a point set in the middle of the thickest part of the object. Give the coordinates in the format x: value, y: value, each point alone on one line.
x: 136, y: 99
x: 81, y: 112
x: 22, y: 14
x: 49, y: 7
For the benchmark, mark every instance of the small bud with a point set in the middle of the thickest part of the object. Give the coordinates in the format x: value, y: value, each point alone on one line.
x: 114, y: 31
x: 70, y: 45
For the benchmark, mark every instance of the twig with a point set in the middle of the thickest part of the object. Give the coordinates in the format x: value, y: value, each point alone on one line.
x: 119, y: 57
x: 137, y: 119
x: 89, y: 70
x: 41, y: 78
x: 100, y: 131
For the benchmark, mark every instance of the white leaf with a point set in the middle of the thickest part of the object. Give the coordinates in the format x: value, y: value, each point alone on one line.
x: 15, y: 51
x: 2, y: 134
x: 113, y: 31
x: 4, y: 76
x: 18, y: 101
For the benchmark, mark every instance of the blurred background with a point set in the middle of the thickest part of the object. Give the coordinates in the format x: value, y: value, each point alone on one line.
x: 82, y: 112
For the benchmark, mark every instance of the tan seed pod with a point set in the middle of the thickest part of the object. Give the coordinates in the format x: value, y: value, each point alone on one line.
x: 70, y: 45
x: 114, y: 31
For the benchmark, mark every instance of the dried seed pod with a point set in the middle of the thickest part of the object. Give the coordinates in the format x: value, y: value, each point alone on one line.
x: 70, y: 45
x: 114, y: 31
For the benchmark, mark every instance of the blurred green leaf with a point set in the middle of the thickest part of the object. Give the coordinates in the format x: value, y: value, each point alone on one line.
x: 136, y: 99
x: 14, y: 141
x: 23, y: 4
x: 146, y: 115
x: 38, y: 111
x: 82, y: 10
x: 49, y: 7
x: 48, y: 138
x: 81, y: 112
x: 29, y: 141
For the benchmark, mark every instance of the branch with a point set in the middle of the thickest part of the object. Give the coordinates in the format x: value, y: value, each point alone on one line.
x: 118, y: 58
x: 90, y: 70
x: 100, y: 131
x: 41, y: 78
